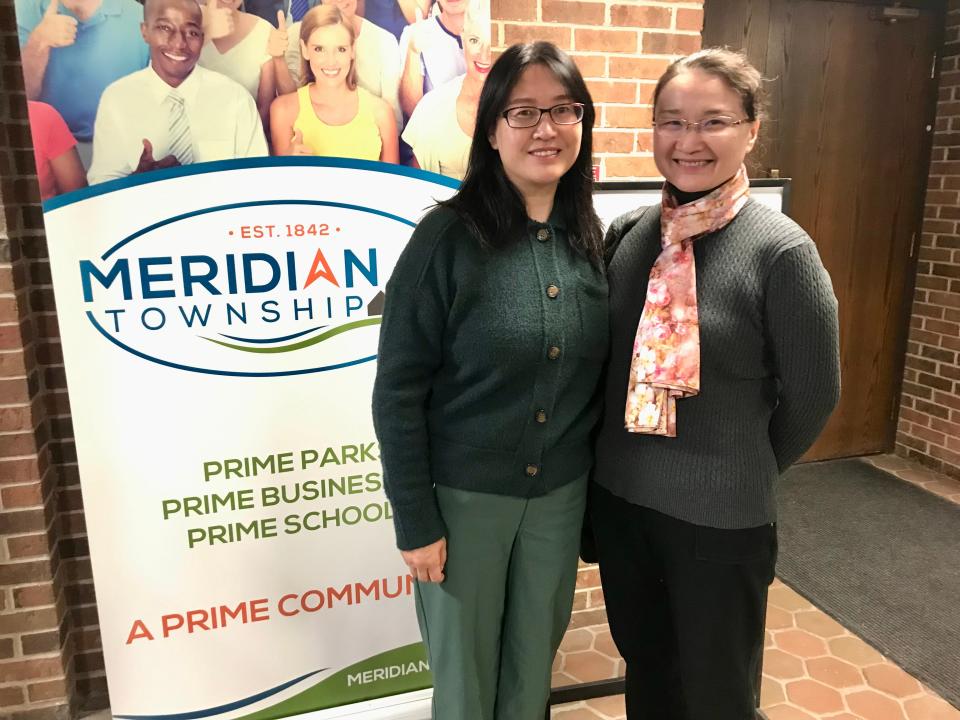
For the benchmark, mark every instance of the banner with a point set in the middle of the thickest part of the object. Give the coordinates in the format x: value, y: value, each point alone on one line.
x: 226, y: 191
x: 220, y: 363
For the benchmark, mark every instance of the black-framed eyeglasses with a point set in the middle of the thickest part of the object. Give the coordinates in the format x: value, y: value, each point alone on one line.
x: 716, y: 125
x: 524, y: 116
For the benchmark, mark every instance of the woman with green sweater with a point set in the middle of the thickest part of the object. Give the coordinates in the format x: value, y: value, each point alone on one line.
x: 724, y: 366
x: 494, y: 333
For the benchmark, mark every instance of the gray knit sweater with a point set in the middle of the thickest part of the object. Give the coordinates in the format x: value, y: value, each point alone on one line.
x: 770, y: 373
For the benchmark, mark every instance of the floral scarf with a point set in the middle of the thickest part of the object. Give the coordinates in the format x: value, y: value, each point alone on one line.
x: 666, y: 351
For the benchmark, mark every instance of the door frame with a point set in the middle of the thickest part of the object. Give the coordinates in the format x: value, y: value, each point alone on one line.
x: 939, y: 7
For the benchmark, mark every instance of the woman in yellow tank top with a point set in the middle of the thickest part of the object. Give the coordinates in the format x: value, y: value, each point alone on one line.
x: 331, y: 115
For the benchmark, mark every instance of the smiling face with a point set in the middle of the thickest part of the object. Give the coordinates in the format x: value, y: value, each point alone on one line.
x: 329, y: 52
x: 173, y: 30
x: 476, y: 47
x: 535, y: 158
x: 348, y: 8
x: 694, y: 161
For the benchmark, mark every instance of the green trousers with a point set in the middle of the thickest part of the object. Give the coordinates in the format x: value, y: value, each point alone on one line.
x: 493, y: 626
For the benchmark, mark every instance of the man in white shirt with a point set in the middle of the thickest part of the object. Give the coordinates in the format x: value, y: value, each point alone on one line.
x: 431, y: 53
x: 172, y: 110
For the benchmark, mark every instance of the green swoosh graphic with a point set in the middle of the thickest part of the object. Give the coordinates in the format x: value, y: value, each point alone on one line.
x: 303, y: 343
x: 340, y: 689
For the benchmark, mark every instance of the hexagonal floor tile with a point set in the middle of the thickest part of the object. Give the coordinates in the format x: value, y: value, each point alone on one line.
x: 783, y: 597
x: 892, y: 680
x: 834, y: 672
x: 820, y: 624
x: 855, y: 650
x: 771, y: 692
x: 787, y: 712
x: 577, y: 640
x: 782, y: 666
x: 778, y: 618
x: 588, y: 666
x: 814, y: 697
x: 871, y: 705
x: 604, y: 644
x: 800, y: 643
x: 930, y: 708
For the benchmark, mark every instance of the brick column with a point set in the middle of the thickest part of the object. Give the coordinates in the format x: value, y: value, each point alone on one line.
x: 37, y: 677
x: 929, y: 423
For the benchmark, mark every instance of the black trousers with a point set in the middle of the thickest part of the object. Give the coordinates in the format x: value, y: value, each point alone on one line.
x: 686, y: 606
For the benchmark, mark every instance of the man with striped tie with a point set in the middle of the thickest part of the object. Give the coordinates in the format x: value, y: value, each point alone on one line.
x: 172, y: 112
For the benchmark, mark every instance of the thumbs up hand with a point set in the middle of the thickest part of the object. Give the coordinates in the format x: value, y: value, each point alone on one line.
x: 297, y: 146
x: 147, y: 163
x: 419, y: 33
x: 55, y: 30
x: 146, y: 157
x: 277, y: 42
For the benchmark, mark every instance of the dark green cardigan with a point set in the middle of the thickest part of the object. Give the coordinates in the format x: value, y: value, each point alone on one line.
x: 487, y: 368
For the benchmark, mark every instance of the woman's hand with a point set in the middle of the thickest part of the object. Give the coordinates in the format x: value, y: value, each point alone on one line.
x: 426, y: 564
x: 297, y: 146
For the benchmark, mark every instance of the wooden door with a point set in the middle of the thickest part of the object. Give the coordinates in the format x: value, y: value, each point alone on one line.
x: 850, y: 99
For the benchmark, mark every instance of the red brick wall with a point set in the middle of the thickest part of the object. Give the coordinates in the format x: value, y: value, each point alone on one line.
x: 621, y: 49
x: 50, y: 658
x: 929, y: 423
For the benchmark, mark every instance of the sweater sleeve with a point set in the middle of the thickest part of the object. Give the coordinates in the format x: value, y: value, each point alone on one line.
x: 409, y: 355
x: 803, y: 332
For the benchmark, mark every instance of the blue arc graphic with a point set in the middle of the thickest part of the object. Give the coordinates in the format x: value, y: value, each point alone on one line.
x: 227, y: 373
x: 267, y: 341
x: 223, y: 708
x: 155, y: 176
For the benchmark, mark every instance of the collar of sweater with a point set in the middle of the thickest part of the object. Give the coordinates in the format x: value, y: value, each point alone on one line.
x: 555, y: 220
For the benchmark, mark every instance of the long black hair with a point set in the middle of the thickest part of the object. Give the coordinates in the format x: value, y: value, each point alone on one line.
x: 488, y: 202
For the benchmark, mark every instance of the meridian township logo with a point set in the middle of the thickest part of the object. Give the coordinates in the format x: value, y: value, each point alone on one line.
x: 257, y: 289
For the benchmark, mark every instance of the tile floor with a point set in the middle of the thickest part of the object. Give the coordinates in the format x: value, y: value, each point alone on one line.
x: 813, y: 667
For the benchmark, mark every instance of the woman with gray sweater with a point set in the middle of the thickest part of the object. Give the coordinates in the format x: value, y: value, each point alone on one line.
x: 724, y: 367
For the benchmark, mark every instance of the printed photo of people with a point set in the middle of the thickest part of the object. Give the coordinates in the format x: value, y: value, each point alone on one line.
x: 118, y: 87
